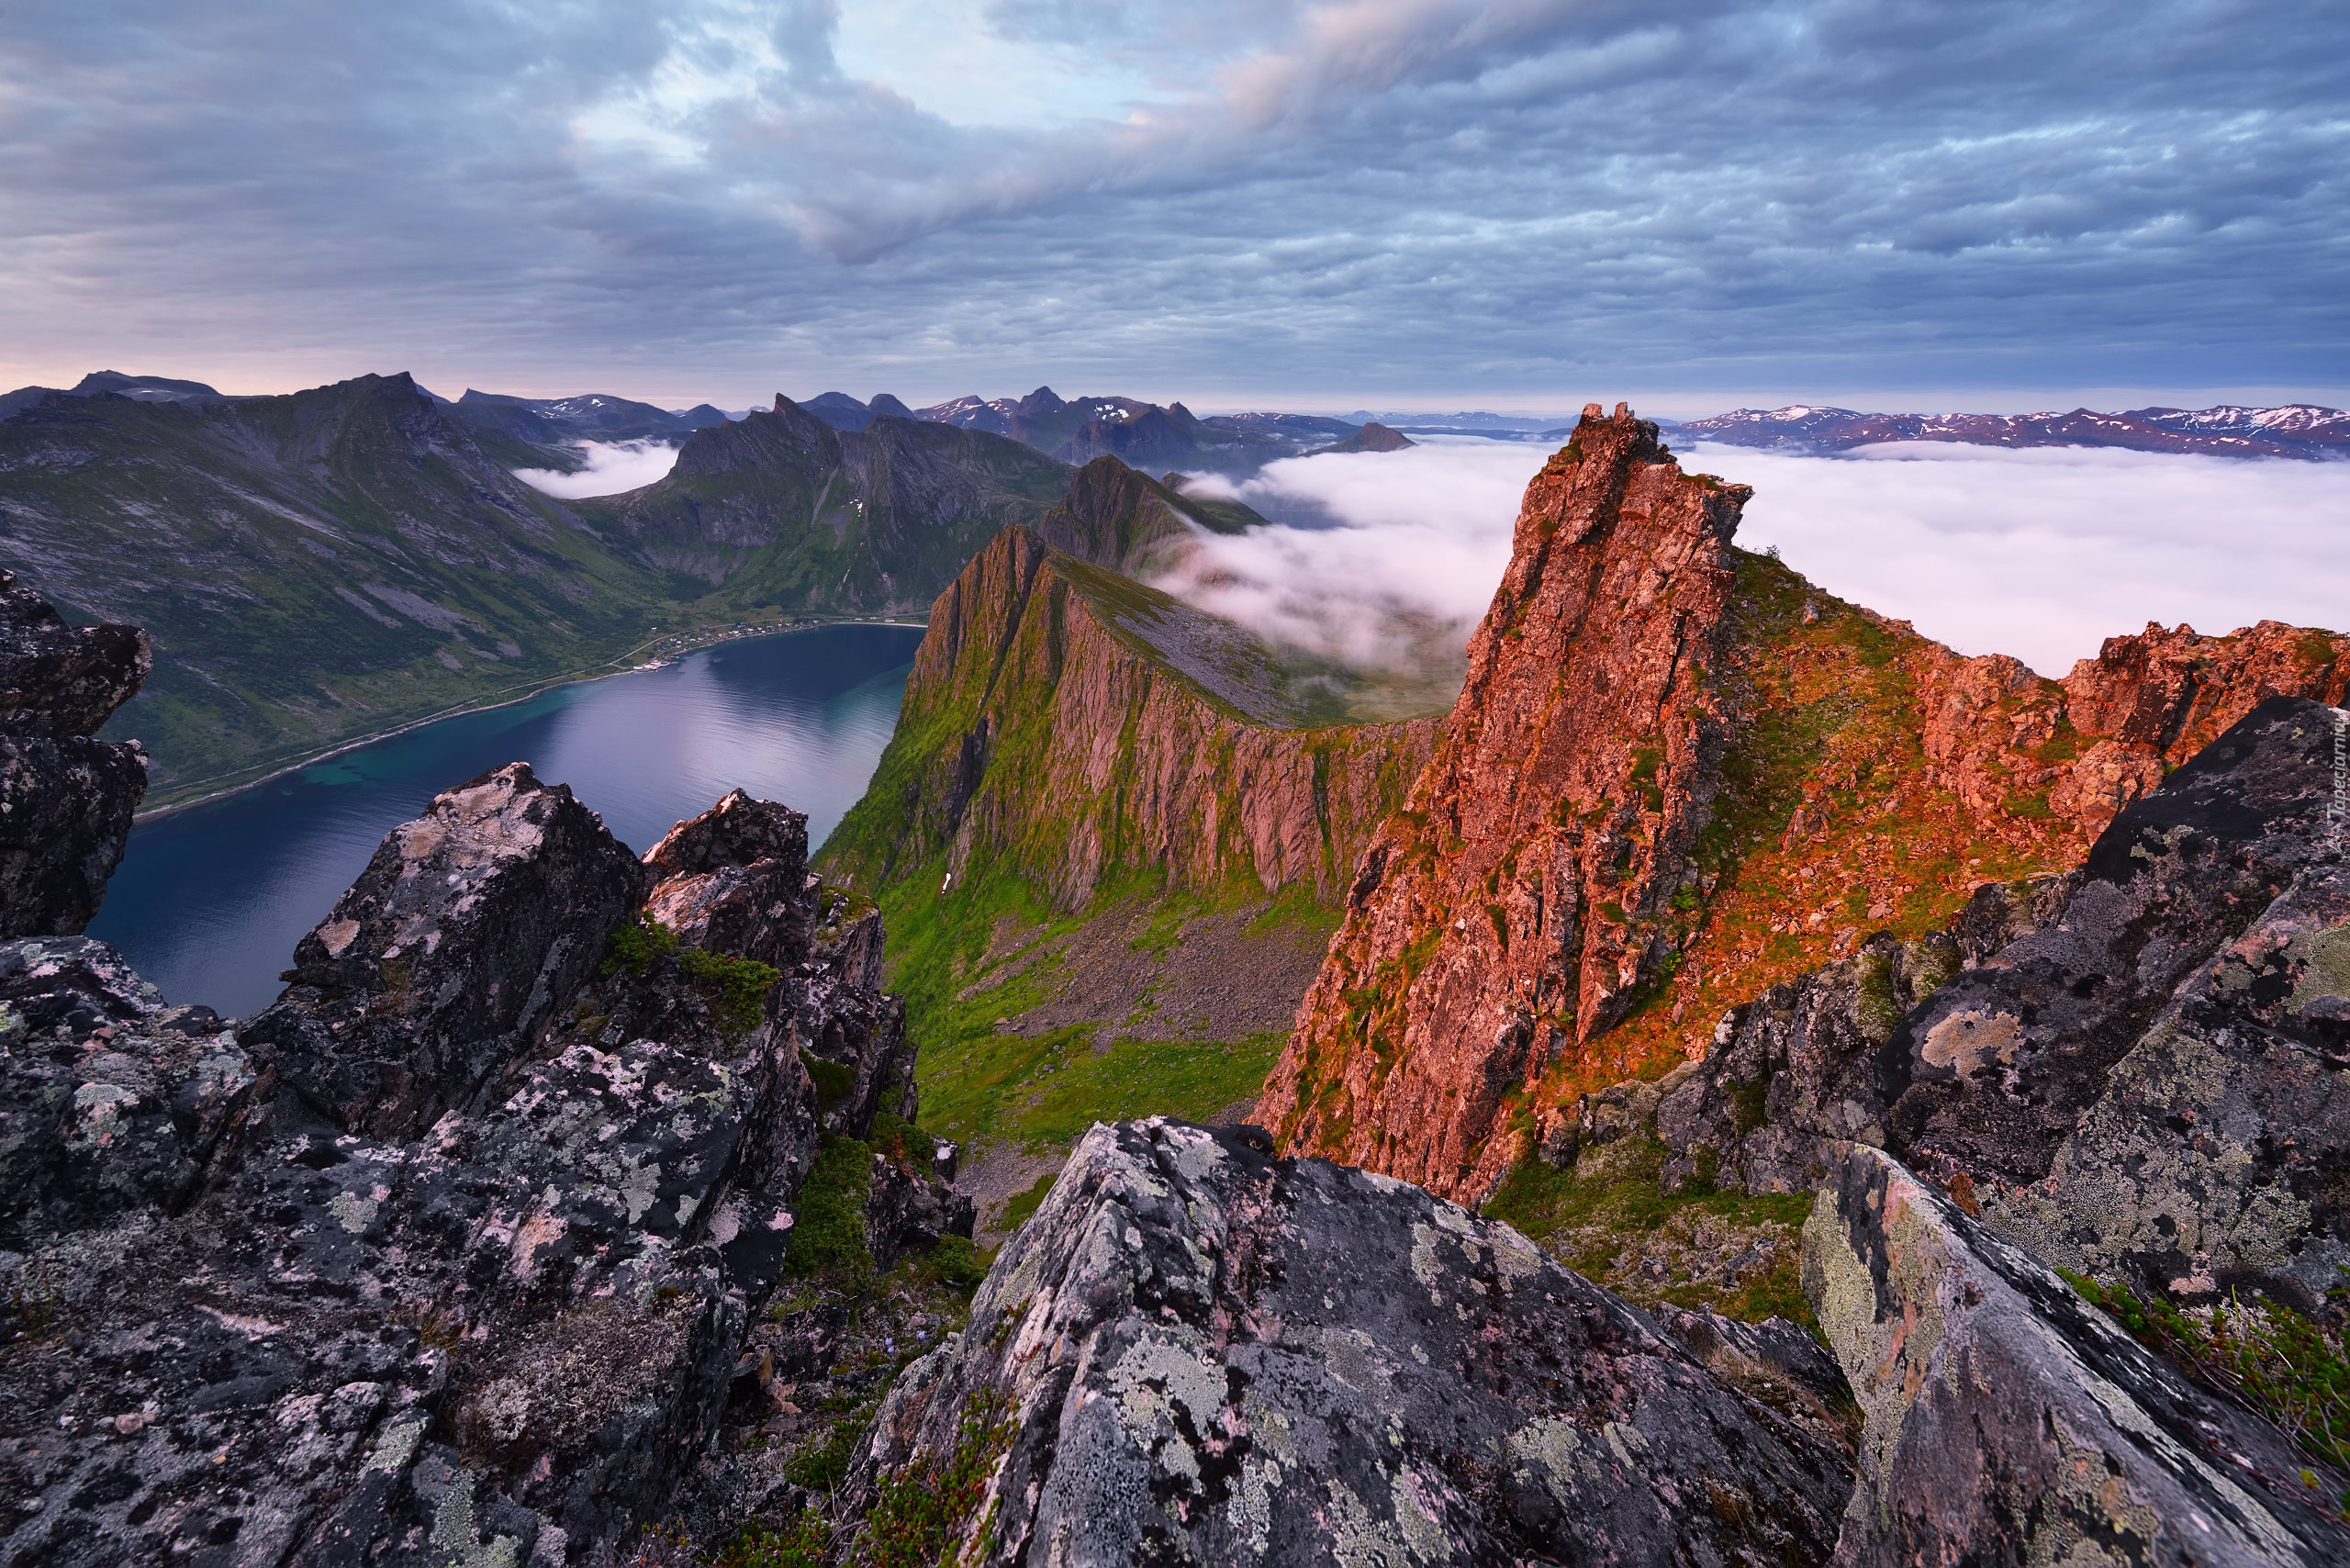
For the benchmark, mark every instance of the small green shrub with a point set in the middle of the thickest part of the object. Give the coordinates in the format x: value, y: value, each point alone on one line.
x: 634, y: 946
x: 833, y: 1081
x: 807, y: 1544
x: 2291, y: 1368
x: 737, y: 985
x: 925, y: 1508
x: 828, y: 1232
x: 820, y: 1466
x: 899, y: 1141
x: 957, y: 1262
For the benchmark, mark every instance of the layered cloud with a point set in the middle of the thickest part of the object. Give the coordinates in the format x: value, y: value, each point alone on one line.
x: 697, y: 198
x: 610, y: 467
x: 2045, y: 554
x: 2039, y: 553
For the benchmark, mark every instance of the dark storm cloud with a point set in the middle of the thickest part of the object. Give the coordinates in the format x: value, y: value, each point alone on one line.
x: 1397, y: 194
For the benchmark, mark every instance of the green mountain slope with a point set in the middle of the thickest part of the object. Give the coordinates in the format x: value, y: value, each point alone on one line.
x: 782, y: 510
x: 312, y: 567
x: 323, y: 567
x: 1110, y: 839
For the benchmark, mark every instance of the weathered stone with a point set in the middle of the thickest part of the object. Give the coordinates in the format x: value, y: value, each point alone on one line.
x: 1214, y: 1355
x: 66, y: 801
x: 2008, y: 1421
x: 490, y: 1314
x: 60, y: 680
x: 466, y: 932
x: 109, y: 1100
x: 1996, y: 1069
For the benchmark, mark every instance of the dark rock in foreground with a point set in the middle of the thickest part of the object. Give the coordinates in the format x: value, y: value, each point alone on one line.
x: 66, y: 801
x: 2138, y: 1069
x: 445, y: 1257
x: 2007, y: 1421
x: 1215, y: 1355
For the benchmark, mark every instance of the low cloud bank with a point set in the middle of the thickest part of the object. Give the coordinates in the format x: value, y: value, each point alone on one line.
x: 1372, y: 556
x: 2046, y: 553
x: 1376, y: 557
x: 613, y: 467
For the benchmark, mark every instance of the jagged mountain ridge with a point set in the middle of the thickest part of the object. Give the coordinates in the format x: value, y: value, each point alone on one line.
x: 2300, y: 429
x: 1636, y: 821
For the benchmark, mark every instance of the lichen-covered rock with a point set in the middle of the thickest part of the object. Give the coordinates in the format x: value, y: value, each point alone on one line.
x: 60, y: 680
x: 457, y: 1266
x: 1214, y: 1355
x: 735, y: 881
x: 66, y: 801
x: 2213, y: 1156
x: 109, y: 1100
x: 1794, y: 1076
x: 468, y: 929
x: 2008, y: 1421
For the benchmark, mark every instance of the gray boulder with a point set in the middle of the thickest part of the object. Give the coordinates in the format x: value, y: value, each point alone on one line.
x: 1210, y: 1355
x: 2008, y: 1421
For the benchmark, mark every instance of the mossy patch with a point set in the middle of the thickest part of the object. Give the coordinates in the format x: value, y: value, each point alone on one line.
x: 1612, y: 1220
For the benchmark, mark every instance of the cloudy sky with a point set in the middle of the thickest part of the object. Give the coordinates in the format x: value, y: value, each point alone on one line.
x: 1523, y: 203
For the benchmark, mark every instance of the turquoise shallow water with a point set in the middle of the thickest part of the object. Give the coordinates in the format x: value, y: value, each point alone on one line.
x: 209, y: 902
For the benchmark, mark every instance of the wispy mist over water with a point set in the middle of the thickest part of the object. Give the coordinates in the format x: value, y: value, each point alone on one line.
x: 2046, y: 553
x: 613, y: 467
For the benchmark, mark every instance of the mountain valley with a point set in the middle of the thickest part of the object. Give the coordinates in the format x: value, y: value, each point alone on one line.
x: 1736, y: 1081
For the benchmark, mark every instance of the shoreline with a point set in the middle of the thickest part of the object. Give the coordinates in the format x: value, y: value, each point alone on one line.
x: 491, y: 704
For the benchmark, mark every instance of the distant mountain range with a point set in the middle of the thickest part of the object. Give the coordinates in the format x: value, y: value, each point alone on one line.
x: 2298, y: 430
x: 326, y: 565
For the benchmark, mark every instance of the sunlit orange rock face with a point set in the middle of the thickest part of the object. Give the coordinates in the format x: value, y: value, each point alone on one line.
x: 1679, y: 774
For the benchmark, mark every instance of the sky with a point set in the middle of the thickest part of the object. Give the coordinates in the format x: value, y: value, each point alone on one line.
x: 1511, y: 204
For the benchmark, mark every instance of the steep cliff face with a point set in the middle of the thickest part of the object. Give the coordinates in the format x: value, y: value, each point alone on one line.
x: 65, y: 799
x: 1520, y: 903
x: 1678, y: 776
x: 1063, y: 723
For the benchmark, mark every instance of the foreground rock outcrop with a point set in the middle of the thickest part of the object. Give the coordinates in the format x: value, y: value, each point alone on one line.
x: 2007, y: 1421
x: 448, y: 1256
x: 66, y: 801
x: 1204, y: 1354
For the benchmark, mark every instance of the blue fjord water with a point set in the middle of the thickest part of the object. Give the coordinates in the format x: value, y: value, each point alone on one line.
x: 209, y: 902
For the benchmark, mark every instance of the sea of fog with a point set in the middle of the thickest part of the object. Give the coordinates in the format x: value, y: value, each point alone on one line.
x: 2039, y: 554
x: 2042, y: 554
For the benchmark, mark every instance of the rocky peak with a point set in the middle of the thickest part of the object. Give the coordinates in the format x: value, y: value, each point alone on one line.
x: 738, y: 830
x: 58, y: 680
x: 1199, y: 1353
x: 458, y: 941
x: 66, y: 801
x: 1552, y: 826
x: 496, y: 1298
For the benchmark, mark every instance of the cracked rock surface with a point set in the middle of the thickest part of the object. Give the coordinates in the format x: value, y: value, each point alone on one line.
x: 66, y: 801
x: 1215, y: 1355
x: 445, y: 1257
x: 2007, y: 1421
